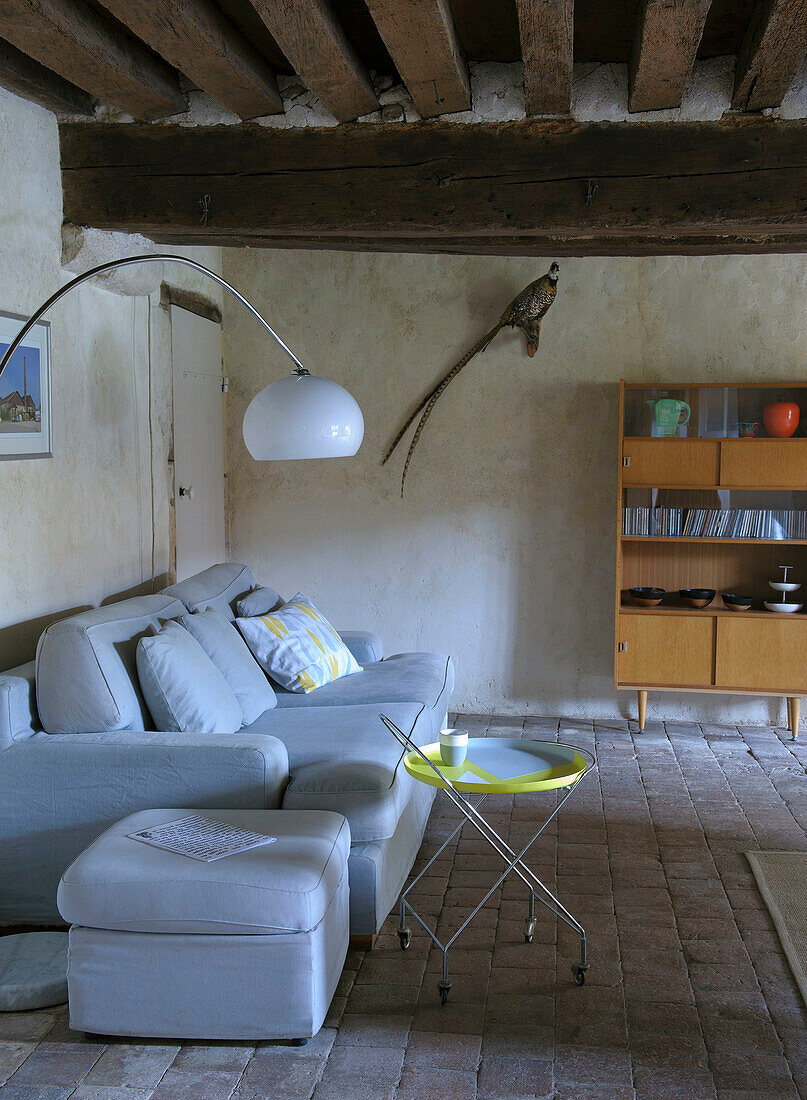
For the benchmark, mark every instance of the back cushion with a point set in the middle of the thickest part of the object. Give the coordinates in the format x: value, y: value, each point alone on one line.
x: 218, y: 587
x: 184, y: 690
x: 225, y: 647
x: 86, y: 676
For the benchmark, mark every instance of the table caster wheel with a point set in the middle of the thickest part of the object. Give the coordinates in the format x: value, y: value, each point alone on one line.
x: 405, y: 937
x: 579, y: 972
x: 445, y: 988
x: 529, y: 929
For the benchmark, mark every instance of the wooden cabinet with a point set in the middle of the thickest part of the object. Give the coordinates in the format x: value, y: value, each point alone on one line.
x: 768, y: 463
x: 661, y: 462
x: 762, y: 654
x: 664, y: 649
x: 712, y: 510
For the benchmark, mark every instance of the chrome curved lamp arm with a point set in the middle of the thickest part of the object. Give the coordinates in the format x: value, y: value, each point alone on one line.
x: 125, y: 262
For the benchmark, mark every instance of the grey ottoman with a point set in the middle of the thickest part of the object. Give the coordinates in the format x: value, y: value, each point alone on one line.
x: 247, y: 947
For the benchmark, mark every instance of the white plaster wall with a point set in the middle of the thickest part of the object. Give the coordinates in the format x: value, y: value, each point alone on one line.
x: 77, y: 528
x: 502, y: 551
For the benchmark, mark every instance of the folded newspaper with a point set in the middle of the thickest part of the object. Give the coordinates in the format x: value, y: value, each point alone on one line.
x: 201, y: 838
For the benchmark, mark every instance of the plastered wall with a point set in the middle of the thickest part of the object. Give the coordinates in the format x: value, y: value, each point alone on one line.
x: 502, y: 551
x: 77, y: 528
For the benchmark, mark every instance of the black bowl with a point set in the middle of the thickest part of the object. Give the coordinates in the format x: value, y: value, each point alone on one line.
x: 697, y: 597
x: 647, y: 597
x: 735, y: 602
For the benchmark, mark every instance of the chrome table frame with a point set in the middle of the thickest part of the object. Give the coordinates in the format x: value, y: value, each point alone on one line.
x: 514, y: 862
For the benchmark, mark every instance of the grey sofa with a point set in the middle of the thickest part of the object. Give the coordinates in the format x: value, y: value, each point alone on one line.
x: 327, y: 750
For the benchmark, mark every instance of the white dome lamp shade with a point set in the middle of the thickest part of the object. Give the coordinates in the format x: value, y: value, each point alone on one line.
x: 303, y: 416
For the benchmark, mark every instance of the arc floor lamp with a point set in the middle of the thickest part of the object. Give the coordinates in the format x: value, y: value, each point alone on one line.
x: 299, y: 416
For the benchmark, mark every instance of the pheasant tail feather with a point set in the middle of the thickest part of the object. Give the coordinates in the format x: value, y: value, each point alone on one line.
x: 475, y: 350
x: 431, y: 400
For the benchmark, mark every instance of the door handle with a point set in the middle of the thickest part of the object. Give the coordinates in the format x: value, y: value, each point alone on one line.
x: 186, y: 491
x: 622, y: 647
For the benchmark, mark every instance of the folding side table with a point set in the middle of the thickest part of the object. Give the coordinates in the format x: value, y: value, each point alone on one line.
x: 495, y: 765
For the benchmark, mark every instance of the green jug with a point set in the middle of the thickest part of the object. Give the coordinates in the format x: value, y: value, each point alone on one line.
x: 669, y: 414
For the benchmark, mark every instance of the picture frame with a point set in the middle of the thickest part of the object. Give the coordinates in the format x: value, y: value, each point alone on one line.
x: 26, y: 419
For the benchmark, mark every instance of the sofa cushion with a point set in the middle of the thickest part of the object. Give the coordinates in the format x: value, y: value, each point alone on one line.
x: 297, y: 646
x: 425, y: 678
x: 225, y: 647
x: 220, y: 586
x: 124, y: 884
x: 183, y: 689
x: 86, y: 679
x: 260, y: 601
x: 18, y: 717
x: 344, y: 759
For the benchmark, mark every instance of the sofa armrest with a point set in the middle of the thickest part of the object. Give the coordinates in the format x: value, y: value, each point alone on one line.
x: 365, y: 646
x: 60, y: 791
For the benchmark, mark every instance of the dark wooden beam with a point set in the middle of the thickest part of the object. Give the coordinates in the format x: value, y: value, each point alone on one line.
x: 27, y: 78
x: 91, y: 51
x: 668, y: 33
x: 739, y: 177
x: 547, y: 247
x: 546, y: 28
x: 422, y: 41
x: 311, y: 38
x: 194, y: 37
x: 771, y: 54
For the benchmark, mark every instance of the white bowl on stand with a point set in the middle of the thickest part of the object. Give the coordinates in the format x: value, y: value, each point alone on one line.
x: 784, y: 608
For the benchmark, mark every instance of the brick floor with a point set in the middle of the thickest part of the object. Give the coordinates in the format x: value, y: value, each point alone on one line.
x: 688, y: 995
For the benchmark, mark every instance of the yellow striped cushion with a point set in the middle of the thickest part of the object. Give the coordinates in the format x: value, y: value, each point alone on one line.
x: 297, y: 646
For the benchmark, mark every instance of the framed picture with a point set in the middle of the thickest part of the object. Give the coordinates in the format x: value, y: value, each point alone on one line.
x: 26, y: 429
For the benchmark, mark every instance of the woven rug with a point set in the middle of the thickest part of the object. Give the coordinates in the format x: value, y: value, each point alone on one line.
x: 782, y: 880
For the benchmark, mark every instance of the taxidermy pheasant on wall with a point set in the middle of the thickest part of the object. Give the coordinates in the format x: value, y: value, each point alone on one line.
x: 526, y: 311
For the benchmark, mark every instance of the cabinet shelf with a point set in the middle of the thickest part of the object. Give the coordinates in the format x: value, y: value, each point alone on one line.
x: 717, y: 488
x: 715, y: 541
x: 708, y: 612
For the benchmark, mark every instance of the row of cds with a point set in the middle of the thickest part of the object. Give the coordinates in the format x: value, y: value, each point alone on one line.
x: 726, y: 523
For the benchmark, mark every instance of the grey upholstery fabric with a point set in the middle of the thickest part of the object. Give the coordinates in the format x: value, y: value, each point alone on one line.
x: 258, y: 602
x: 365, y: 646
x: 220, y: 586
x: 191, y: 986
x: 343, y: 759
x: 205, y: 969
x: 228, y: 651
x: 425, y: 678
x: 287, y: 886
x: 86, y: 678
x: 18, y: 715
x: 59, y: 793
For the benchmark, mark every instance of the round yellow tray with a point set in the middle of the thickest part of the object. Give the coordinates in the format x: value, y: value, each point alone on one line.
x: 502, y: 765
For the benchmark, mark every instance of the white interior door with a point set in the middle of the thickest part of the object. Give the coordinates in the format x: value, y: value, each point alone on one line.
x: 198, y: 442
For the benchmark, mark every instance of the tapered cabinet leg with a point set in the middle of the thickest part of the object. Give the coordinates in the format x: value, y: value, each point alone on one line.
x: 642, y: 709
x: 794, y: 714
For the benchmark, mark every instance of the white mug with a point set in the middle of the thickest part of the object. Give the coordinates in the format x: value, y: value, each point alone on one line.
x: 453, y: 747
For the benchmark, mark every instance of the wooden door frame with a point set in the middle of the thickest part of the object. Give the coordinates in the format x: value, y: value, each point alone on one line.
x: 193, y: 302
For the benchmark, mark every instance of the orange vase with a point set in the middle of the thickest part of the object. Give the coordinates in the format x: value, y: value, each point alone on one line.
x: 781, y: 418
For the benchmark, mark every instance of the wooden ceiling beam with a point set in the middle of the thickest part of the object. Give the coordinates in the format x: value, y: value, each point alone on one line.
x: 668, y: 33
x: 546, y: 28
x: 194, y: 37
x: 547, y: 247
x: 27, y: 78
x: 771, y: 53
x: 738, y: 177
x: 311, y: 38
x: 92, y: 52
x: 422, y: 41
